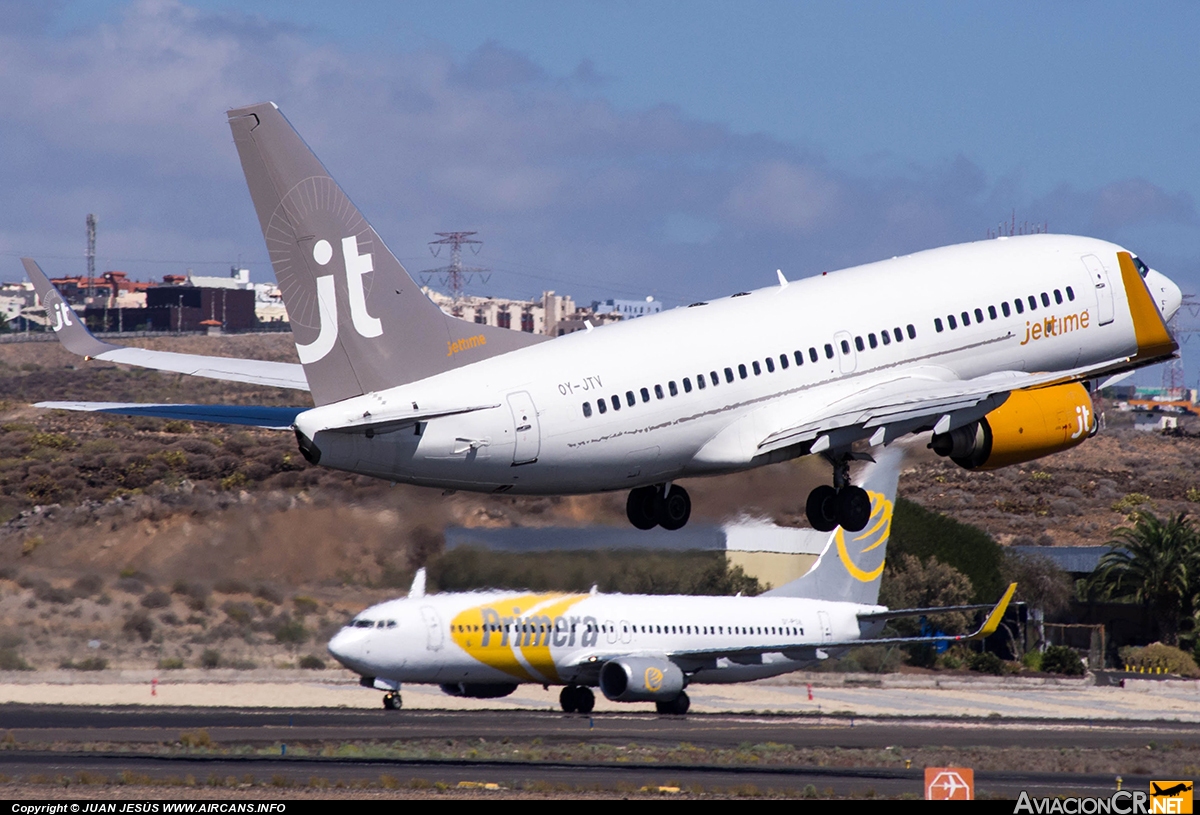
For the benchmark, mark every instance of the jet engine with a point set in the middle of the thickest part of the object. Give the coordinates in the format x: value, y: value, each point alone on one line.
x: 641, y: 679
x: 1030, y: 424
x: 475, y: 690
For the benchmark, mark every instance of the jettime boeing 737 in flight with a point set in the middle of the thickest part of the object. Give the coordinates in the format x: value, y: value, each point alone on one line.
x: 638, y: 648
x: 986, y: 344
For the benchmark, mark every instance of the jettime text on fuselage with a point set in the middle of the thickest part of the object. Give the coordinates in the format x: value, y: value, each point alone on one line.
x: 1055, y: 326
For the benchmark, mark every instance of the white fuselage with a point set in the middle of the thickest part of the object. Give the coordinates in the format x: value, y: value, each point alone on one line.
x: 554, y: 639
x: 547, y: 431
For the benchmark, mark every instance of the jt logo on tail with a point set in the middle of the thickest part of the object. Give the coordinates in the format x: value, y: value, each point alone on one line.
x: 356, y: 266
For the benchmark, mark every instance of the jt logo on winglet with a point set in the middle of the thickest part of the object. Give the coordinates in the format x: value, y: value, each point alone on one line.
x: 62, y: 316
x: 356, y: 266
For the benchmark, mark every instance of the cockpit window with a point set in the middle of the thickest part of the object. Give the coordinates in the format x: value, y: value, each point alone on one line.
x: 364, y: 623
x: 1142, y: 268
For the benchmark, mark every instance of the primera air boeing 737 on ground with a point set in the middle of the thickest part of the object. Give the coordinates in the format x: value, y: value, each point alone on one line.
x: 986, y: 344
x: 638, y: 648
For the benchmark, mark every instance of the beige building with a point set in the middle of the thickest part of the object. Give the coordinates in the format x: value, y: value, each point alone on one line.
x: 552, y: 315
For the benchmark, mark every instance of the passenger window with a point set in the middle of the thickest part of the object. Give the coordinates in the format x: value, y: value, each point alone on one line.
x: 953, y: 323
x: 887, y: 337
x: 770, y: 365
x: 966, y: 318
x: 645, y: 395
x: 687, y: 385
x: 896, y: 332
x: 872, y: 341
x: 812, y: 354
x: 1032, y: 303
x: 700, y: 381
x: 1070, y: 294
x: 912, y: 331
x: 783, y: 363
x: 757, y: 368
x: 671, y: 386
x: 602, y: 405
x: 630, y: 399
x: 728, y: 374
x: 616, y: 400
x: 992, y: 312
x: 858, y: 343
x: 828, y: 351
x: 1058, y: 297
x: 1045, y: 300
x: 1004, y: 308
x: 979, y: 315
x: 587, y: 410
x: 845, y: 347
x: 1020, y: 306
x: 658, y: 391
x: 716, y: 380
x: 742, y: 371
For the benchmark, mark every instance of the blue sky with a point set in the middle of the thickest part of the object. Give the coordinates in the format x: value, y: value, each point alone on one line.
x: 610, y: 148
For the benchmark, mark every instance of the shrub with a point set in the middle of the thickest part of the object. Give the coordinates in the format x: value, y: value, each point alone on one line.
x: 211, y: 658
x: 177, y: 426
x: 312, y: 662
x: 304, y: 605
x: 1156, y: 655
x: 87, y: 585
x: 1032, y: 660
x: 10, y: 660
x: 1061, y: 659
x: 986, y: 663
x: 240, y: 613
x: 139, y: 624
x: 231, y: 586
x: 268, y: 593
x: 89, y: 664
x: 156, y: 599
x: 170, y: 664
x: 290, y: 632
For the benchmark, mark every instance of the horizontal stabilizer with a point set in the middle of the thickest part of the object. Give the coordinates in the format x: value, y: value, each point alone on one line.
x: 271, y: 418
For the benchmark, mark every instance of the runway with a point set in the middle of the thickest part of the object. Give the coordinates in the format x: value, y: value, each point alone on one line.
x: 53, y: 741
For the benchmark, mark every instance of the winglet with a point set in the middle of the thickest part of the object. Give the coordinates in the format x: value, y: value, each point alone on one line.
x: 993, y: 619
x: 67, y: 325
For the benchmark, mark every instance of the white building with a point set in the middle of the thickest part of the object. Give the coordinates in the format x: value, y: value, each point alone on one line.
x: 627, y: 309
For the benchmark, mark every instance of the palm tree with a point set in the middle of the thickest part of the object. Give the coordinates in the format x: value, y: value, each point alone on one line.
x: 1156, y: 563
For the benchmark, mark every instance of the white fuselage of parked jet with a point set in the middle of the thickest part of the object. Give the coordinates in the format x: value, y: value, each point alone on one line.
x: 563, y: 639
x: 697, y: 390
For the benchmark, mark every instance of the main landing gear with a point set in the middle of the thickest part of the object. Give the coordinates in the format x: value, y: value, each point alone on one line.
x: 391, y: 700
x: 676, y: 707
x: 843, y: 504
x: 577, y: 699
x: 664, y: 505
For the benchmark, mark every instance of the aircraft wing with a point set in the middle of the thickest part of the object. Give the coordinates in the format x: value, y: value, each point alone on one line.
x: 807, y: 650
x: 926, y: 398
x: 270, y: 418
x: 75, y: 337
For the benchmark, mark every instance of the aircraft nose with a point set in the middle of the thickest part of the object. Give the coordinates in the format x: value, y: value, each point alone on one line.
x: 1167, y: 296
x: 343, y: 646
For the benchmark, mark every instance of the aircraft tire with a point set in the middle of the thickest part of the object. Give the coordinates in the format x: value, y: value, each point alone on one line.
x: 853, y: 507
x: 675, y: 707
x: 821, y: 508
x: 675, y: 509
x: 392, y: 701
x: 585, y: 700
x: 641, y: 507
x: 568, y: 698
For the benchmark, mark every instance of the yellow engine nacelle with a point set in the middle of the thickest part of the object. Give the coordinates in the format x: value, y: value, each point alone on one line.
x: 1030, y: 424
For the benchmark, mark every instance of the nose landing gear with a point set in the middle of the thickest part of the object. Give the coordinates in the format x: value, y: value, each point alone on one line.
x: 391, y: 701
x: 842, y: 504
x: 665, y: 505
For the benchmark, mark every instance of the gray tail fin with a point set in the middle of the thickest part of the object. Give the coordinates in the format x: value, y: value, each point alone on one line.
x: 360, y: 322
x: 851, y: 564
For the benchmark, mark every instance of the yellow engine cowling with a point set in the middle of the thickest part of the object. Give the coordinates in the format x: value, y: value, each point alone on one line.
x: 1030, y: 424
